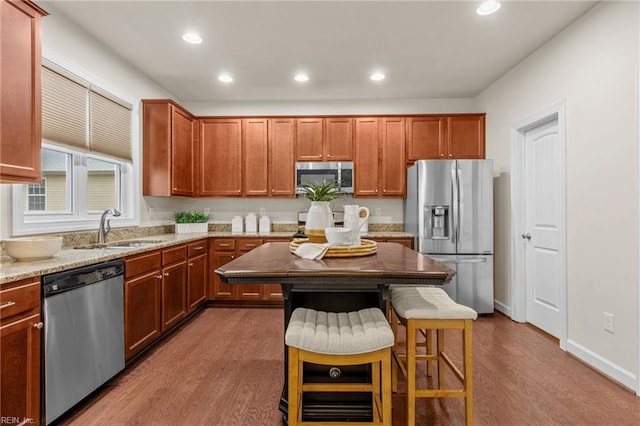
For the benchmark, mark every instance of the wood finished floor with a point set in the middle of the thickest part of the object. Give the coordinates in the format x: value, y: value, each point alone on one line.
x: 225, y: 368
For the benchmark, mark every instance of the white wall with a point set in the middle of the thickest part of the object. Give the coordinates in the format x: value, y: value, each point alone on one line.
x: 592, y: 66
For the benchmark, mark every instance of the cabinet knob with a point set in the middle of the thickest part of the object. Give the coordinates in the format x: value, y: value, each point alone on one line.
x: 159, y: 277
x: 441, y: 155
x: 175, y: 189
x: 328, y: 155
x: 450, y: 155
x: 190, y: 264
x: 233, y: 257
x: 166, y: 274
x: 38, y: 325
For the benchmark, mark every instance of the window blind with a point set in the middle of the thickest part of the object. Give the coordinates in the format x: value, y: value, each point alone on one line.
x: 81, y: 116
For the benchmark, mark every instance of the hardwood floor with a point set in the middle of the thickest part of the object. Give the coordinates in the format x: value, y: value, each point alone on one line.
x: 225, y: 368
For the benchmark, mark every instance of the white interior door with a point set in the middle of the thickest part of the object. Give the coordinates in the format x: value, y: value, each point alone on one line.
x: 542, y: 235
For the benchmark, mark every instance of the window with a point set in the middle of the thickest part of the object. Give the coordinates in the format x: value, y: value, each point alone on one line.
x: 86, y: 159
x: 37, y: 196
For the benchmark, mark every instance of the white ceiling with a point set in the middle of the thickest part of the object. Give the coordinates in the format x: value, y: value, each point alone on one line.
x: 428, y: 49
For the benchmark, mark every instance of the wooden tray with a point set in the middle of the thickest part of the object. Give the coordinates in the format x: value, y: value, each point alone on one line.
x: 366, y: 248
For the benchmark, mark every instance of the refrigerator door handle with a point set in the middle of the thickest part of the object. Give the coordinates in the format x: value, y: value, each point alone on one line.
x: 476, y: 260
x: 454, y: 205
x: 460, y: 203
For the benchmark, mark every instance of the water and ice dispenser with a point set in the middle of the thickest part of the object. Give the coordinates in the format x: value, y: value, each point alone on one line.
x: 438, y: 221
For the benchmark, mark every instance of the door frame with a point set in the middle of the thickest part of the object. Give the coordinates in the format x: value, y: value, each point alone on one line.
x: 518, y: 260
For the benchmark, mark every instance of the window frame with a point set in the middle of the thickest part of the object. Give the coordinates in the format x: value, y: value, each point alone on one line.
x: 78, y: 218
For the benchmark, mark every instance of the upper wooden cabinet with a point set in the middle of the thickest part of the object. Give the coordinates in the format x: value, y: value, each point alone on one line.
x: 446, y: 137
x: 393, y: 179
x: 20, y: 103
x: 168, y: 149
x: 324, y: 139
x: 366, y: 161
x: 268, y: 158
x: 220, y: 157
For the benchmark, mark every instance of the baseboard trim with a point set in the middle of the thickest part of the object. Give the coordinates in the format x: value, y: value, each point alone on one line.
x: 502, y: 308
x: 603, y: 365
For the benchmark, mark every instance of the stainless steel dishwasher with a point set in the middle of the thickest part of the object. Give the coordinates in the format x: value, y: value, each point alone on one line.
x: 84, y: 333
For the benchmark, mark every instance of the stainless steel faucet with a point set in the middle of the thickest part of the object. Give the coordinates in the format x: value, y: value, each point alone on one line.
x: 105, y: 226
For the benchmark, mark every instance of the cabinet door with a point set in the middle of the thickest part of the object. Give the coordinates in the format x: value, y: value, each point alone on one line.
x: 221, y: 157
x: 309, y: 139
x: 219, y: 289
x: 248, y: 291
x: 196, y: 282
x: 20, y: 104
x: 393, y: 163
x: 465, y: 136
x: 142, y: 312
x: 174, y: 294
x: 367, y: 156
x: 181, y: 152
x: 338, y: 142
x: 271, y: 292
x: 156, y: 148
x: 20, y: 370
x: 256, y: 157
x: 425, y: 138
x: 281, y: 158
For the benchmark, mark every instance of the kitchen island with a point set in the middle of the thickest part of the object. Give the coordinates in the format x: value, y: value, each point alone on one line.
x: 335, y: 285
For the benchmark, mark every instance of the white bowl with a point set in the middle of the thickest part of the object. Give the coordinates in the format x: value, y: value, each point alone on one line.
x: 32, y: 248
x: 338, y: 236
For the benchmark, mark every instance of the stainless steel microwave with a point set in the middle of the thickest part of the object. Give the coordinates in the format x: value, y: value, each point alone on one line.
x: 341, y: 172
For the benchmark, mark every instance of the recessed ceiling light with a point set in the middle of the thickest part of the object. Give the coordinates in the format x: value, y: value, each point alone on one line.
x: 488, y: 7
x: 192, y: 38
x: 377, y: 76
x: 301, y: 77
x: 225, y: 78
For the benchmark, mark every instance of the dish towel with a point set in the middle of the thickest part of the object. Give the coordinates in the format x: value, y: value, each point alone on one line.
x: 312, y: 250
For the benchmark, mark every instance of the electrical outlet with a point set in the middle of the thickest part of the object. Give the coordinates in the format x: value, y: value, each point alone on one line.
x: 609, y: 324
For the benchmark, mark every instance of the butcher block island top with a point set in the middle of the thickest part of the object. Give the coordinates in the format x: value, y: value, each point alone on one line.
x: 392, y: 264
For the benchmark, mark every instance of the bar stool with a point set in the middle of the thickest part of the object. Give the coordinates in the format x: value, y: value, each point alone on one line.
x: 430, y: 308
x: 346, y: 338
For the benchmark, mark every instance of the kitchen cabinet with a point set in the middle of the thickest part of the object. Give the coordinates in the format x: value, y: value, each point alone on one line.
x: 168, y: 145
x: 221, y: 251
x: 324, y: 139
x: 220, y: 168
x: 379, y: 165
x: 407, y: 242
x: 20, y: 351
x: 142, y: 294
x: 281, y: 158
x: 20, y: 103
x: 174, y: 286
x: 460, y: 136
x: 155, y: 290
x: 224, y: 250
x: 268, y: 157
x: 196, y: 274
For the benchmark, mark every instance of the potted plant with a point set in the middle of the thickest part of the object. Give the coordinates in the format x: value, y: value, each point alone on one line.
x: 319, y: 216
x: 191, y: 222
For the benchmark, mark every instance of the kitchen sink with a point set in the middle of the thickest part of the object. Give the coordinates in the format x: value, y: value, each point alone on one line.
x: 115, y: 245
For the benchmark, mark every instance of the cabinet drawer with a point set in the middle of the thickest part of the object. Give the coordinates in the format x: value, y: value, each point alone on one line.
x: 142, y: 264
x: 224, y: 244
x: 20, y: 299
x: 197, y: 248
x: 248, y: 244
x: 174, y: 254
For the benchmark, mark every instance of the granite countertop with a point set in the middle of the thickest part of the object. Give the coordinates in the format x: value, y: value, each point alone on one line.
x: 69, y: 258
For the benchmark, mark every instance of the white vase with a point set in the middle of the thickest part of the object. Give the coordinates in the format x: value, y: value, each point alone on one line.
x: 318, y: 218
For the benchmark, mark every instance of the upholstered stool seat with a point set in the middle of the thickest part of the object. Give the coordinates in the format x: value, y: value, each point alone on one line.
x: 345, y: 338
x: 424, y: 309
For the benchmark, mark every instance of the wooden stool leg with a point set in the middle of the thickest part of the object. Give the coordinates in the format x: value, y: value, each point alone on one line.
x: 375, y: 394
x: 411, y: 373
x: 441, y: 363
x: 386, y: 387
x: 428, y: 344
x: 294, y: 375
x: 468, y: 370
x: 394, y: 367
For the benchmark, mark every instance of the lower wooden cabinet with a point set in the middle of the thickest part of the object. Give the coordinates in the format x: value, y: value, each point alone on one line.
x: 407, y: 242
x: 20, y: 352
x: 224, y: 250
x: 155, y: 295
x: 196, y: 275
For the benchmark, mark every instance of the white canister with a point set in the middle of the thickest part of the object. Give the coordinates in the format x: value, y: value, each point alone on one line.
x: 251, y: 223
x: 236, y: 225
x: 265, y: 225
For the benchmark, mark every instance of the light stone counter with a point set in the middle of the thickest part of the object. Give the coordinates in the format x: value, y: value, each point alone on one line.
x: 69, y: 258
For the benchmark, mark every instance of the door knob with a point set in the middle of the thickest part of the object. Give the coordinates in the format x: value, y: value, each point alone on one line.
x: 38, y: 325
x: 526, y: 236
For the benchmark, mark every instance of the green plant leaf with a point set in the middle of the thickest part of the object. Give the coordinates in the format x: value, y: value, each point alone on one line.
x: 322, y: 191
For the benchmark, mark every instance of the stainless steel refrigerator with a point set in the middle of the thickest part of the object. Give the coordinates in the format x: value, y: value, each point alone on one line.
x: 449, y: 206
